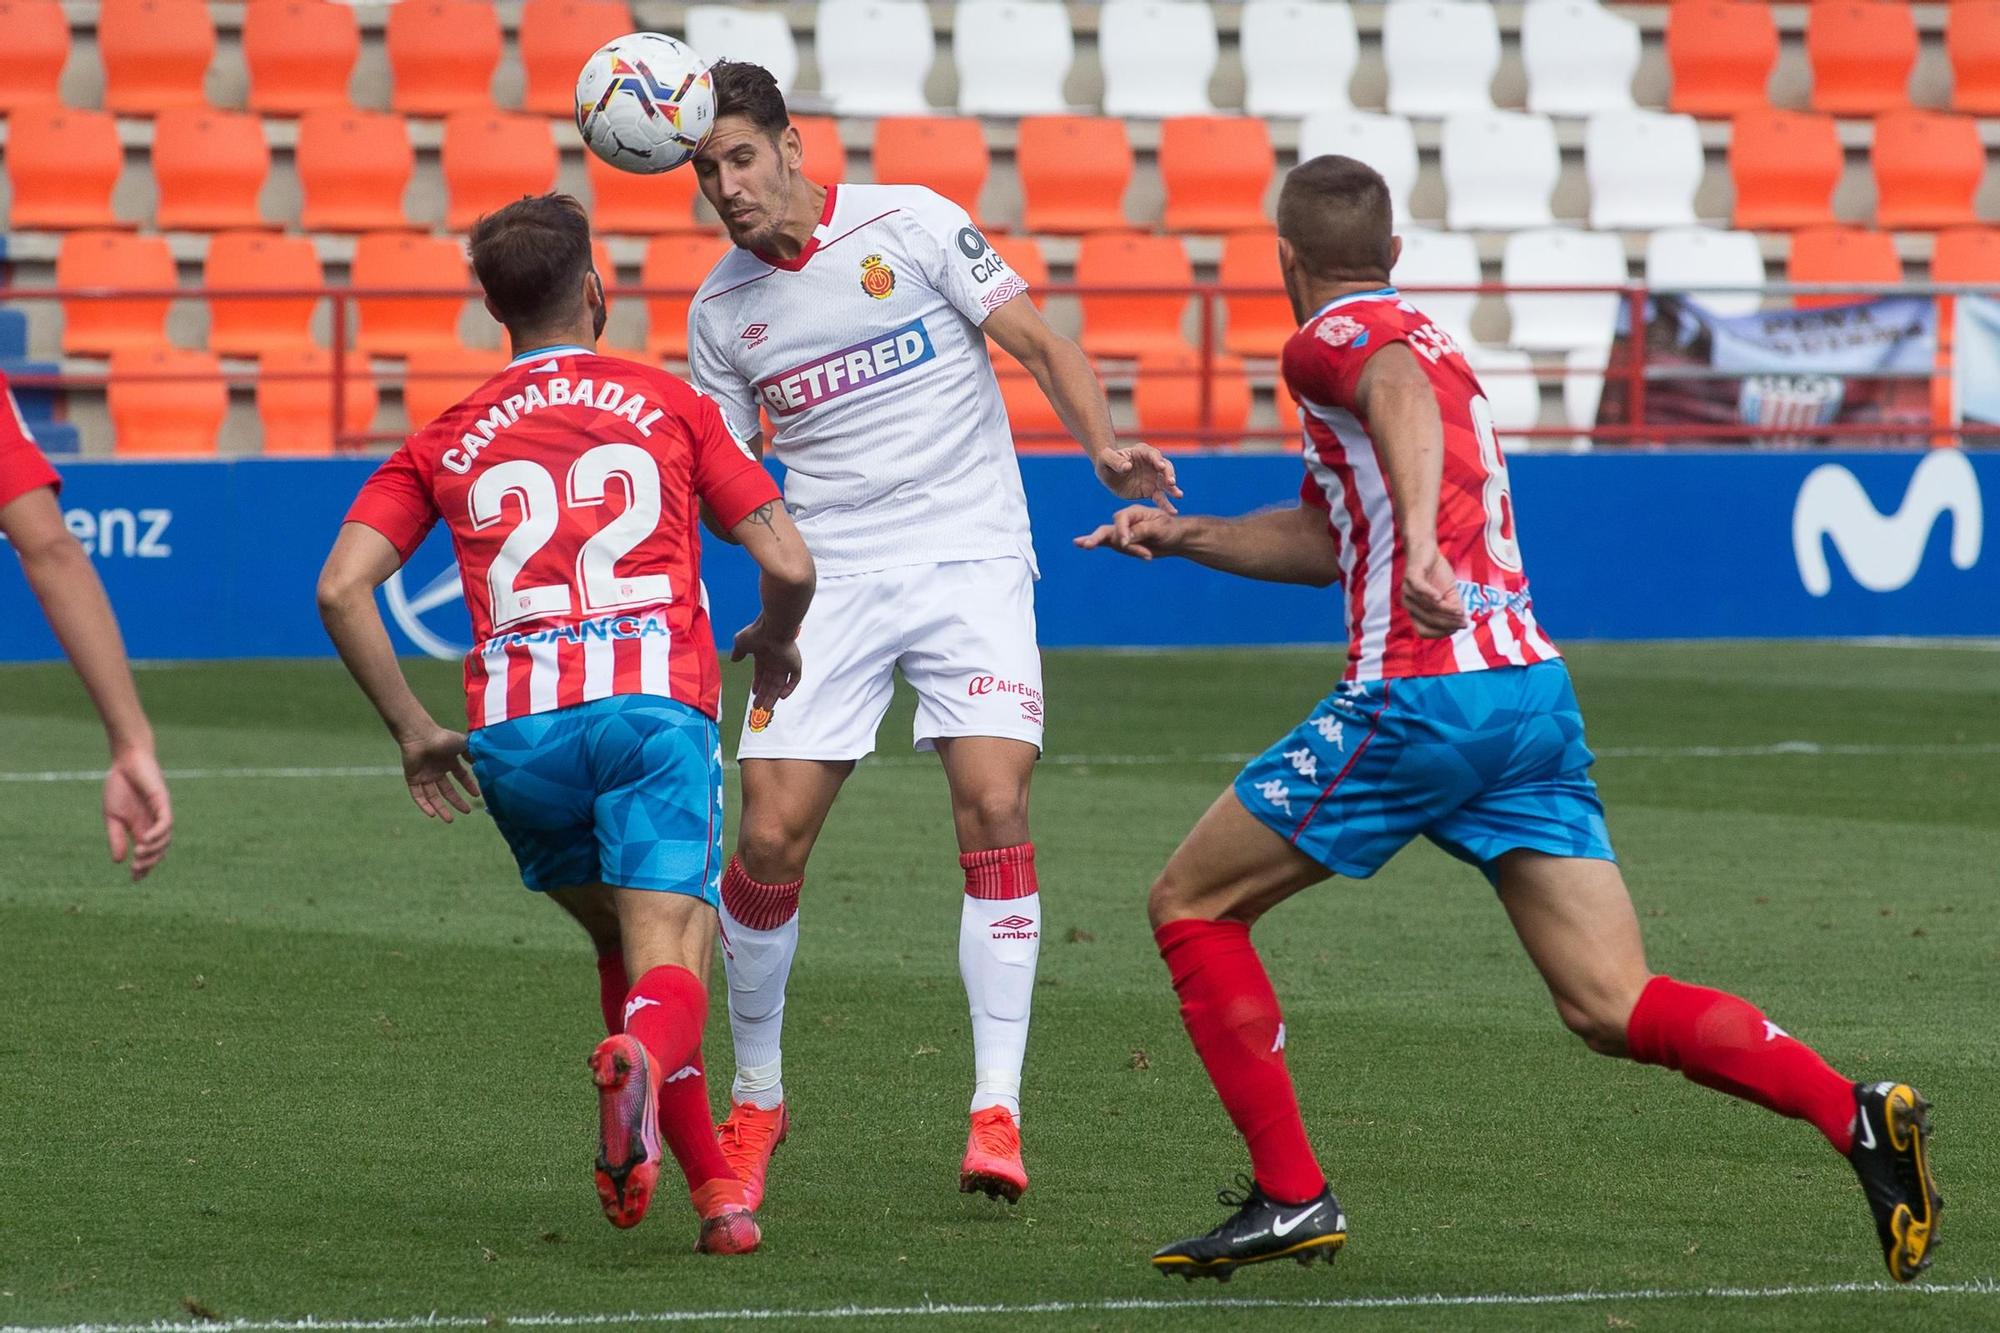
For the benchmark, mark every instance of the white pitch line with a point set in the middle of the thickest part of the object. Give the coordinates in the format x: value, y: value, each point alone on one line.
x: 929, y: 1310
x: 1778, y: 749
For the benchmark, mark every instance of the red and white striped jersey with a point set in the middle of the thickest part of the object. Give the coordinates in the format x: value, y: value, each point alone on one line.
x: 1345, y: 478
x: 569, y: 483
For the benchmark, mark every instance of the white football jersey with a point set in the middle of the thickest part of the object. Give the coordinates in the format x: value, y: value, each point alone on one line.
x: 866, y: 355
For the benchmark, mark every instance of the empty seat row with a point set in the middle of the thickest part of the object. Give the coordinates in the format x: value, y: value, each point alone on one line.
x: 1013, y: 57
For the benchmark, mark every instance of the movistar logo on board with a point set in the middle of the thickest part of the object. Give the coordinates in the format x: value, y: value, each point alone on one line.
x: 1883, y: 551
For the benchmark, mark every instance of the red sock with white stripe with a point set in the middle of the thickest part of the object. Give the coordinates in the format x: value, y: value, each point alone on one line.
x: 760, y: 936
x: 999, y: 942
x: 611, y: 988
x: 665, y: 1013
x: 1726, y: 1043
x: 1232, y: 1015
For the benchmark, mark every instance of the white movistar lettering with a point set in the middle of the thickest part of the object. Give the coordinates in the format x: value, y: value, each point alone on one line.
x: 609, y: 396
x: 1883, y: 552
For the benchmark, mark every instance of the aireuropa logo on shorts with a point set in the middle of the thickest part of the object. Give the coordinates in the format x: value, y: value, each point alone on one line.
x: 1031, y: 698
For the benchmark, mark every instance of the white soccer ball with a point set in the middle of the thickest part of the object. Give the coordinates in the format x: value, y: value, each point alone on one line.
x: 644, y: 102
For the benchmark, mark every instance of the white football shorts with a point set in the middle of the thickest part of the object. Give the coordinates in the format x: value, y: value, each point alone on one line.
x: 962, y: 633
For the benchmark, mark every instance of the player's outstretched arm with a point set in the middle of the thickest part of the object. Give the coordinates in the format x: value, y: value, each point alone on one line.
x: 1134, y: 472
x: 433, y: 755
x: 1275, y: 545
x: 138, y: 815
x: 787, y: 584
x: 1400, y: 404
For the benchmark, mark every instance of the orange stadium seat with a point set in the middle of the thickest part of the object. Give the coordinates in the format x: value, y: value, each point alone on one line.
x: 1972, y: 40
x: 1257, y: 325
x: 1029, y: 412
x: 1967, y: 254
x: 946, y: 153
x: 436, y: 378
x: 675, y: 261
x: 301, y: 54
x: 400, y: 326
x: 114, y: 259
x: 556, y: 37
x: 624, y: 203
x: 295, y: 400
x: 155, y: 52
x: 209, y: 166
x: 165, y: 400
x: 491, y: 159
x: 1166, y: 397
x: 33, y: 56
x: 353, y: 169
x: 442, y: 54
x: 1216, y: 170
x: 63, y: 166
x: 1927, y: 169
x: 1842, y: 254
x: 825, y: 160
x: 1785, y: 165
x: 1122, y: 324
x: 1720, y: 54
x: 252, y: 260
x: 1862, y: 52
x: 1074, y: 170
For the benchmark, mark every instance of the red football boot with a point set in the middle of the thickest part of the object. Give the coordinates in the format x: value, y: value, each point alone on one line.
x: 628, y: 1153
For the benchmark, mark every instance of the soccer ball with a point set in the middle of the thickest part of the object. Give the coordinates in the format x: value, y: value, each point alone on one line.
x: 644, y: 102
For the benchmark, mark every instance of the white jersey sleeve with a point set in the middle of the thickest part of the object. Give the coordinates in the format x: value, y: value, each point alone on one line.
x: 713, y: 375
x: 955, y: 256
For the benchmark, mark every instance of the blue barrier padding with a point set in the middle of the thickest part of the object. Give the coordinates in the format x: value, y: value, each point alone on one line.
x: 217, y: 559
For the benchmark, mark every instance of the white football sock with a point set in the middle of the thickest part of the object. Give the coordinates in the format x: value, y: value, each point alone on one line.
x: 758, y: 962
x: 999, y: 940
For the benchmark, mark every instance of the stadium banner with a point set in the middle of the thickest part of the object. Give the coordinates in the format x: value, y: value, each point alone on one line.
x: 1804, y: 367
x: 218, y: 559
x: 1976, y: 360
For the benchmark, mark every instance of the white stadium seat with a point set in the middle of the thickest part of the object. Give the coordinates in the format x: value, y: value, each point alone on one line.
x: 1500, y: 169
x: 1012, y: 56
x: 1583, y: 389
x: 1511, y: 390
x: 1680, y: 258
x: 1446, y: 259
x: 760, y: 36
x: 1580, y: 57
x: 1158, y: 56
x: 874, y: 56
x: 1644, y: 168
x: 1441, y: 56
x: 1298, y: 56
x: 1386, y: 143
x: 1563, y: 256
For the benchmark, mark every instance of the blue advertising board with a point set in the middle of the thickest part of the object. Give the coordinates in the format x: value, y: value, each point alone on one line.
x: 217, y: 559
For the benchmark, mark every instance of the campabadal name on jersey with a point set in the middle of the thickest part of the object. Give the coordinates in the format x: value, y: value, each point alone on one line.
x: 609, y: 396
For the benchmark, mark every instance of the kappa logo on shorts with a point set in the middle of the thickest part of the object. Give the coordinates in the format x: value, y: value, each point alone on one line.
x: 1277, y: 793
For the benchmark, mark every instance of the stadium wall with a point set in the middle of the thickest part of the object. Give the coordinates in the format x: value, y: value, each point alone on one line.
x: 217, y: 559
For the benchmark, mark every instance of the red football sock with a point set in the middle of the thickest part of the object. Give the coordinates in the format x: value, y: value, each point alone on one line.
x: 667, y: 1011
x: 611, y: 985
x: 1725, y: 1043
x: 1232, y: 1015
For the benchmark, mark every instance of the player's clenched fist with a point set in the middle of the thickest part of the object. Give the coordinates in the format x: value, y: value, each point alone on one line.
x: 1138, y: 530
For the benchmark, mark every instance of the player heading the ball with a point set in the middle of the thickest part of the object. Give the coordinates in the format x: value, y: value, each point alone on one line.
x: 855, y: 318
x: 572, y: 485
x: 1454, y: 720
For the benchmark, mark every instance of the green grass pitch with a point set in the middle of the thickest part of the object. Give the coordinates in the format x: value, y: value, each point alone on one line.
x: 329, y: 1061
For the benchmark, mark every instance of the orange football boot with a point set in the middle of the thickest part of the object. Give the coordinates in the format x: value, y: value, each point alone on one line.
x: 748, y: 1137
x: 727, y: 1224
x: 628, y: 1153
x: 993, y: 1157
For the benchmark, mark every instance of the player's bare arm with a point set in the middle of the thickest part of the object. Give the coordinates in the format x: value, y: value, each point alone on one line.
x: 787, y: 584
x: 1402, y: 412
x: 138, y: 816
x: 433, y: 755
x: 1290, y: 545
x: 1132, y: 472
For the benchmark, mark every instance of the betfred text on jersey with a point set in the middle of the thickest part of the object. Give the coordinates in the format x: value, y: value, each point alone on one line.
x: 608, y: 396
x: 842, y: 372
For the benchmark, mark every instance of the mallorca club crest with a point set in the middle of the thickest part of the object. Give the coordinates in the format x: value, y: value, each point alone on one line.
x: 877, y: 278
x: 1339, y: 330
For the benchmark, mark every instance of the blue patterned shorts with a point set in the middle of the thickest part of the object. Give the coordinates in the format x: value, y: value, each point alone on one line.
x: 626, y: 790
x: 1481, y: 763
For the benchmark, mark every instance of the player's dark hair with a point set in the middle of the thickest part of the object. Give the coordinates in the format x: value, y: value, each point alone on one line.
x: 531, y: 257
x: 1335, y: 212
x: 747, y: 90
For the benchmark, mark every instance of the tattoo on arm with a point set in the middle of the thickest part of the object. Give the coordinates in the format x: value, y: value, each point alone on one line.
x: 763, y: 514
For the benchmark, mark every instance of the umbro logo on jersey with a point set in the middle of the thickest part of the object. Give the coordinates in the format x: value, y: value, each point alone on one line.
x: 756, y: 334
